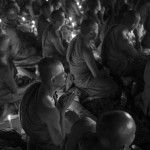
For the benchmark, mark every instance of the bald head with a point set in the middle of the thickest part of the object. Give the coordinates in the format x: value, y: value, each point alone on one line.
x: 57, y: 15
x: 131, y: 18
x: 116, y: 129
x: 87, y: 26
x: 49, y: 67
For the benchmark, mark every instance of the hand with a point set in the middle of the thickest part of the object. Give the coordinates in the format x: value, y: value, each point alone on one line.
x: 66, y: 100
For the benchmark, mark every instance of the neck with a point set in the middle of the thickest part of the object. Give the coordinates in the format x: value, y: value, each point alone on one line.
x: 56, y: 28
x: 86, y: 41
x: 50, y: 90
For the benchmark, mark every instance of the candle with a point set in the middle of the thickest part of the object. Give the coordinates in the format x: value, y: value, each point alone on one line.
x: 80, y: 6
x: 23, y: 18
x: 70, y: 18
x: 33, y: 22
x: 73, y: 24
x: 10, y: 123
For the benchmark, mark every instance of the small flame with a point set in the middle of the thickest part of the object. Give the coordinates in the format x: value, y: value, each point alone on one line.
x: 0, y: 20
x: 70, y: 18
x: 78, y: 3
x: 23, y: 18
x: 33, y: 22
x: 9, y: 117
x: 73, y: 24
x: 80, y: 6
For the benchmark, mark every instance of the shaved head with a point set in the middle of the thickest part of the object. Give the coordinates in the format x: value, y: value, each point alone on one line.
x: 131, y: 18
x: 49, y: 67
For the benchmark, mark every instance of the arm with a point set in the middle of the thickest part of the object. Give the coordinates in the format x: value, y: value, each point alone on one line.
x: 125, y: 45
x: 59, y: 46
x: 11, y: 83
x: 89, y: 59
x: 55, y: 124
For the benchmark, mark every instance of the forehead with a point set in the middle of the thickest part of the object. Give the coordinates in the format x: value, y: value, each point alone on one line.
x: 59, y: 69
x: 94, y: 27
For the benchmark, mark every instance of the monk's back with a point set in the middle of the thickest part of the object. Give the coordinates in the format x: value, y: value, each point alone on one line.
x: 31, y: 121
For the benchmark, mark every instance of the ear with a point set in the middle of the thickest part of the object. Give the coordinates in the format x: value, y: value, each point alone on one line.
x: 53, y: 80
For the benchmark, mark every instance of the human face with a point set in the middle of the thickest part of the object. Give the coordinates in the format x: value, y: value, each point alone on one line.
x: 60, y: 77
x: 94, y: 32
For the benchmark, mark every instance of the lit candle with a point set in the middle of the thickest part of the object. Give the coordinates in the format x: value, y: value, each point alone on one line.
x: 73, y: 24
x: 70, y: 18
x: 10, y: 123
x: 78, y: 3
x: 23, y: 18
x: 33, y: 22
x: 80, y: 6
x: 0, y: 20
x: 73, y: 35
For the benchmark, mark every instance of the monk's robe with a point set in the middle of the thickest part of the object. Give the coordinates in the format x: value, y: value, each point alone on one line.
x: 119, y: 55
x: 53, y: 45
x: 34, y: 127
x: 146, y: 92
x: 15, y: 43
x: 8, y: 86
x: 145, y: 17
x: 83, y: 78
x: 41, y: 26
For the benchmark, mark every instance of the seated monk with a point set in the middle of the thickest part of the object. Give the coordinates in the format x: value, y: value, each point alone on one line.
x: 8, y: 86
x: 20, y: 46
x: 82, y: 64
x: 9, y: 91
x: 114, y: 130
x: 44, y: 20
x: 119, y: 53
x: 42, y: 116
x: 52, y: 44
x: 11, y: 30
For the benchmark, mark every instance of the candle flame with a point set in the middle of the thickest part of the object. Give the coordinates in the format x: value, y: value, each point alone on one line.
x: 9, y: 117
x: 70, y: 18
x: 33, y: 22
x: 73, y: 24
x: 23, y: 18
x: 0, y: 20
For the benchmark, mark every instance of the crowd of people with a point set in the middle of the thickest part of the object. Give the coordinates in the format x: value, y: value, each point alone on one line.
x: 94, y: 51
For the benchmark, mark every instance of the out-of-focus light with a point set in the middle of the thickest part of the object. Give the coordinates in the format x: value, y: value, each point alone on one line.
x: 73, y: 35
x: 9, y: 117
x: 23, y: 18
x: 80, y: 6
x: 33, y: 22
x: 73, y: 24
x: 46, y: 0
x: 0, y: 20
x: 78, y: 3
x: 70, y: 18
x: 33, y: 26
